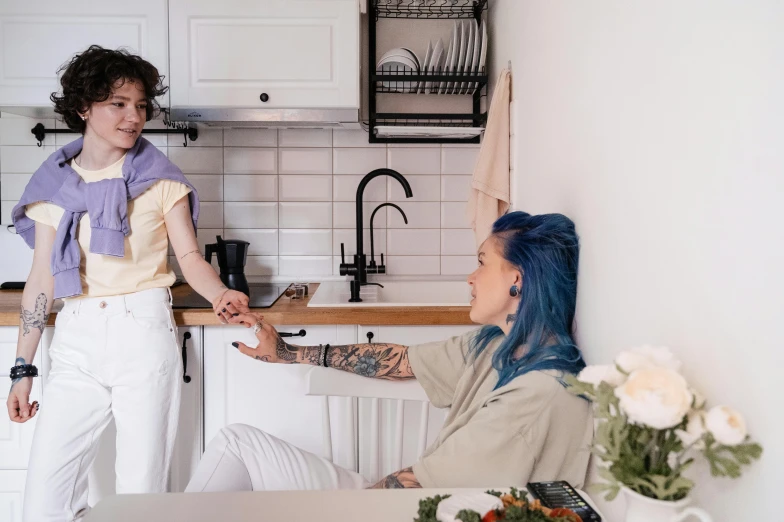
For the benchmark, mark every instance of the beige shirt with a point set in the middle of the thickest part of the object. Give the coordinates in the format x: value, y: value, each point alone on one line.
x: 530, y: 430
x: 145, y: 264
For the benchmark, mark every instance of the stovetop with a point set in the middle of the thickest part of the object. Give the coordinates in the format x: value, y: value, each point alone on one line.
x: 262, y: 295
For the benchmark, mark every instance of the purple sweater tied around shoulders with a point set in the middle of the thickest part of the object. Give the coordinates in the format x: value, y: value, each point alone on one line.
x: 105, y: 201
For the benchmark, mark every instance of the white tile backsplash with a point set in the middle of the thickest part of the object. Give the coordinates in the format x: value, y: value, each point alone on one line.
x: 306, y: 242
x: 250, y: 137
x: 291, y: 194
x: 305, y: 138
x: 305, y: 161
x: 412, y: 242
x: 412, y: 161
x: 344, y: 188
x: 305, y: 188
x: 458, y: 160
x: 249, y: 160
x: 423, y: 188
x: 420, y: 215
x: 358, y: 161
x: 241, y: 187
x: 305, y: 215
x: 251, y: 215
x: 198, y: 160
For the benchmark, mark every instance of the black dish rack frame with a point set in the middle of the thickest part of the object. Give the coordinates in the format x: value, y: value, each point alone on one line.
x: 473, y: 83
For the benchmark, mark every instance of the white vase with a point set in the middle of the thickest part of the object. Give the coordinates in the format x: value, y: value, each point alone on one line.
x: 640, y: 508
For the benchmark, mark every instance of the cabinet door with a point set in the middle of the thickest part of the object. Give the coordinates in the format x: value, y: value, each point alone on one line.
x: 412, y: 411
x: 40, y: 36
x: 271, y: 397
x: 188, y: 445
x: 12, y: 486
x: 15, y: 438
x: 301, y: 53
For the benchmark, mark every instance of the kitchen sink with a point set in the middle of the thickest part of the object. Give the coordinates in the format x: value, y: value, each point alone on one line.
x: 395, y: 293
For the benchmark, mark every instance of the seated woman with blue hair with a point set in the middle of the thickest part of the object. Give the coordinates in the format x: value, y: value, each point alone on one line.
x: 511, y: 420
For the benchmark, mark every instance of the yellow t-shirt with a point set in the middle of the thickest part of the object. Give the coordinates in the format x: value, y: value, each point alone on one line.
x: 145, y: 264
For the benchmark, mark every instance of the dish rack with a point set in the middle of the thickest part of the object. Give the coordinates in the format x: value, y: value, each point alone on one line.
x: 419, y: 127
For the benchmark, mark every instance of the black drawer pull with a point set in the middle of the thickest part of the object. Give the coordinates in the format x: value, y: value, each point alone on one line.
x: 370, y: 337
x: 264, y: 97
x: 186, y: 378
x: 301, y: 333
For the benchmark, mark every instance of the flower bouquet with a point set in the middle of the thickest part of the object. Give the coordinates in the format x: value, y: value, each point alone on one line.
x: 651, y: 424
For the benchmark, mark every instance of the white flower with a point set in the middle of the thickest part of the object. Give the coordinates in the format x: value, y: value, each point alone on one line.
x: 647, y: 357
x: 601, y: 373
x: 695, y: 429
x: 726, y: 425
x: 655, y: 397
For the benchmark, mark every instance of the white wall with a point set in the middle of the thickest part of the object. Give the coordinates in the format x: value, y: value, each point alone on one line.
x: 658, y: 127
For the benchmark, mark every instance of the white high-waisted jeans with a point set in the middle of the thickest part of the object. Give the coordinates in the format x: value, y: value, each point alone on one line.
x: 111, y: 357
x: 244, y: 458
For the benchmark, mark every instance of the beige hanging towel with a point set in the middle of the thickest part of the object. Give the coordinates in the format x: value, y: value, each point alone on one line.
x: 489, y: 198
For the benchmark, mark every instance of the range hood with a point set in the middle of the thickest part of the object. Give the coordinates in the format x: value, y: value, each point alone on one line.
x: 233, y: 117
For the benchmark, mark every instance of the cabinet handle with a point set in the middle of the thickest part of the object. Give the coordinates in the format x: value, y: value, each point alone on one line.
x: 264, y: 97
x: 370, y: 337
x: 186, y: 378
x: 301, y: 333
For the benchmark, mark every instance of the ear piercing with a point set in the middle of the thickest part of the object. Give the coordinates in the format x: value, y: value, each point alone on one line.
x: 514, y: 291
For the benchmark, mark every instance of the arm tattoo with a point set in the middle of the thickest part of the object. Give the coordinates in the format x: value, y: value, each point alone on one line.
x: 197, y: 251
x: 19, y: 361
x: 377, y: 360
x: 285, y: 351
x: 510, y: 318
x: 398, y: 480
x: 37, y: 318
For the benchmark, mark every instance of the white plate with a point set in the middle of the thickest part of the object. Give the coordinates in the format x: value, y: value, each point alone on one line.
x: 478, y: 42
x: 452, y: 66
x: 397, y: 65
x: 483, y: 52
x: 436, y: 65
x: 461, y: 46
x: 469, y: 55
x: 425, y: 65
x: 450, y: 57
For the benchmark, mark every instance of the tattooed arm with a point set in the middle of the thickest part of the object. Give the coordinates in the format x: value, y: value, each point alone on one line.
x: 33, y: 316
x: 377, y: 360
x: 398, y: 480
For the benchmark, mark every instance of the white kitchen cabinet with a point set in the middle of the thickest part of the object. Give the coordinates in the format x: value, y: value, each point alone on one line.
x: 271, y: 397
x: 39, y: 37
x: 188, y: 446
x: 12, y: 486
x: 300, y: 53
x: 16, y: 438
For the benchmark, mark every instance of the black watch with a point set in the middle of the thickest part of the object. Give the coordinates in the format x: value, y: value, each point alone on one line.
x: 23, y: 370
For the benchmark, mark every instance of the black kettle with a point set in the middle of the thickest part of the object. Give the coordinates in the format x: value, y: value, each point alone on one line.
x: 232, y: 254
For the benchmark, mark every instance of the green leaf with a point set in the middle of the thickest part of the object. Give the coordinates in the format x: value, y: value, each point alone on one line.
x: 468, y: 515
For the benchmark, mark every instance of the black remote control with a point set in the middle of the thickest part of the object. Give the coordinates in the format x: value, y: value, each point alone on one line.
x: 562, y: 494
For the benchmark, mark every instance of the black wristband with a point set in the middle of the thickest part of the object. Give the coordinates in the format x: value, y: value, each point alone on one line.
x: 326, y: 351
x: 23, y: 370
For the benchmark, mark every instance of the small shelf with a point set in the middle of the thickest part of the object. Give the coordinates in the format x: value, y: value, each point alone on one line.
x: 472, y: 123
x: 440, y: 82
x: 429, y: 9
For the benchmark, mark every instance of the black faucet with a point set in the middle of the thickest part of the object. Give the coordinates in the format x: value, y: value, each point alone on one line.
x: 372, y: 267
x: 359, y: 268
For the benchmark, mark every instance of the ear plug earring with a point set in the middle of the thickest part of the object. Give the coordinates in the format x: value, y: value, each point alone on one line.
x: 514, y: 291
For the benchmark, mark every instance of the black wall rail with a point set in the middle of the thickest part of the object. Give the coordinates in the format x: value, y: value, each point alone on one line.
x: 192, y: 133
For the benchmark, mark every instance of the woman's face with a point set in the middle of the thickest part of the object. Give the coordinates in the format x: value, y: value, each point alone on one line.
x: 117, y: 121
x: 490, y: 286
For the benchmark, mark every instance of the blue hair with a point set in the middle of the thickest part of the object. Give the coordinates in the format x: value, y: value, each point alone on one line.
x: 545, y: 249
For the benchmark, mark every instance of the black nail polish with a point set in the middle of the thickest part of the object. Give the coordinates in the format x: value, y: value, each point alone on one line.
x: 234, y: 315
x: 236, y: 345
x: 223, y: 310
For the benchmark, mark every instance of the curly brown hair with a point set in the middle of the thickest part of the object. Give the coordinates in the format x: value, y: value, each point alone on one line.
x: 92, y: 75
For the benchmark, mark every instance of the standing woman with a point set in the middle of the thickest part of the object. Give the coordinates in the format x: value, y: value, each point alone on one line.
x: 100, y: 213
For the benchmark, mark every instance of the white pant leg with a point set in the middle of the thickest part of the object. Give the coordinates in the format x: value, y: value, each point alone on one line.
x: 75, y: 409
x: 146, y: 390
x: 242, y: 457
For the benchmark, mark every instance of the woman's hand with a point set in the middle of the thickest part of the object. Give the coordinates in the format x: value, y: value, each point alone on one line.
x: 271, y: 347
x: 230, y: 304
x: 19, y: 407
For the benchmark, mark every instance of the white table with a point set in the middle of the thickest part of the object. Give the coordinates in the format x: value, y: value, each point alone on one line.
x: 398, y: 505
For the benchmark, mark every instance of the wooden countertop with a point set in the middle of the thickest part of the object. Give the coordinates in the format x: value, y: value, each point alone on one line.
x: 283, y: 312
